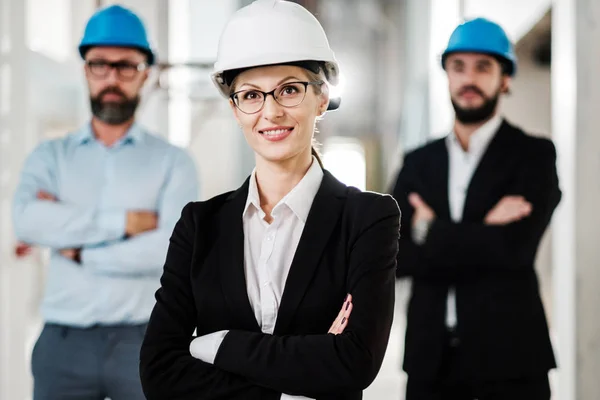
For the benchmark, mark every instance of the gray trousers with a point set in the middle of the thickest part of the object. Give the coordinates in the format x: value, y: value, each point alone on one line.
x: 87, y: 364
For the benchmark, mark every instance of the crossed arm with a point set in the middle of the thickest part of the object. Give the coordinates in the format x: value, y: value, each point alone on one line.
x: 506, y: 238
x: 112, y: 241
x: 304, y: 365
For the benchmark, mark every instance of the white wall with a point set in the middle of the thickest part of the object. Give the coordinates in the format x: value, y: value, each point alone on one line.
x: 529, y: 106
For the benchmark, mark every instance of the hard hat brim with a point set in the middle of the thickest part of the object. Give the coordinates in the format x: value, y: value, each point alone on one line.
x: 84, y: 48
x: 222, y: 82
x: 509, y: 62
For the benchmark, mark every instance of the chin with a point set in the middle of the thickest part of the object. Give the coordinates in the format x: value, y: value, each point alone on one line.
x: 278, y: 155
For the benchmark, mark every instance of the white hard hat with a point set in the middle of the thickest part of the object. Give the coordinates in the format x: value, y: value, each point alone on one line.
x: 270, y: 32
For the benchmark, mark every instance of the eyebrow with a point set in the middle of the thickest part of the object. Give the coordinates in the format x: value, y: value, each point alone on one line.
x: 279, y: 83
x: 121, y: 60
x: 485, y: 62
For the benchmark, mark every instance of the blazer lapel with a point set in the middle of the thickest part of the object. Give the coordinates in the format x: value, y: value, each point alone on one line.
x: 322, y: 219
x: 491, y: 166
x: 231, y: 258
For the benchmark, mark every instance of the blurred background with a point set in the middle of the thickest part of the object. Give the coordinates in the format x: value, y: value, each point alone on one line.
x: 394, y: 98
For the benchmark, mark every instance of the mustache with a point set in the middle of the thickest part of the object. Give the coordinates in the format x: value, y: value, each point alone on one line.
x: 471, y: 88
x: 111, y: 90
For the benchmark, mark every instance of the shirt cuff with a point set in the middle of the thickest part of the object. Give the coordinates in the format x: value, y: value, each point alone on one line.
x: 113, y: 222
x: 290, y: 397
x: 205, y: 348
x: 420, y: 231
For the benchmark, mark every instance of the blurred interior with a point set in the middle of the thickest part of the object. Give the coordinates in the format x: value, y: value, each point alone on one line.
x: 394, y: 98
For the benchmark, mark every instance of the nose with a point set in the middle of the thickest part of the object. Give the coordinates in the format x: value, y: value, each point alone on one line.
x: 112, y: 76
x: 469, y: 75
x: 272, y: 109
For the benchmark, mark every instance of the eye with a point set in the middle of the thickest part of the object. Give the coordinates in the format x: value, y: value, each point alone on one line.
x: 484, y: 67
x: 290, y: 90
x: 250, y: 95
x: 125, y: 66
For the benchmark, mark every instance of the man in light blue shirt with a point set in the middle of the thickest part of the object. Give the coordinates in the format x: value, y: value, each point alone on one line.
x: 105, y: 199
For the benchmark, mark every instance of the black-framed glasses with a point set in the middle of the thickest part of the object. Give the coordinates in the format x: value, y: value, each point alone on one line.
x: 289, y: 94
x: 125, y: 70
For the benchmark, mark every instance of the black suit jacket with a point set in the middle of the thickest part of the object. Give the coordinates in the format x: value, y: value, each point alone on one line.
x: 501, y: 320
x: 349, y: 245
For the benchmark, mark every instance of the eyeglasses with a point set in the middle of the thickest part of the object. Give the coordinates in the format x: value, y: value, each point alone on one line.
x: 289, y: 94
x: 125, y: 70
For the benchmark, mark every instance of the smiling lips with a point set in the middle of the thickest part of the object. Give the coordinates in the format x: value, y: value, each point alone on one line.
x: 276, y: 133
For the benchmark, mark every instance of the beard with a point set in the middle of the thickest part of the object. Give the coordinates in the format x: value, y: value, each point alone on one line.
x: 477, y: 114
x: 113, y: 112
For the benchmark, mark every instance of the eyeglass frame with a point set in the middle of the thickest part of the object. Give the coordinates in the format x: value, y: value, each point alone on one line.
x: 139, y: 67
x: 272, y: 93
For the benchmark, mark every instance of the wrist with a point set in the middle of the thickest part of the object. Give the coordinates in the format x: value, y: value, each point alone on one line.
x: 421, y: 229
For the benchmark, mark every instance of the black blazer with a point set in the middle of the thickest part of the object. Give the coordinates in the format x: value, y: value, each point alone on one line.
x: 501, y: 320
x: 349, y: 245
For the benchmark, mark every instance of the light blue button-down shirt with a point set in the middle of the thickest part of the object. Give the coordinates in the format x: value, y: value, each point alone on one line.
x: 96, y: 186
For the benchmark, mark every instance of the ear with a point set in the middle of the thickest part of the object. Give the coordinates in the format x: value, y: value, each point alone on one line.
x: 505, y: 84
x: 145, y: 75
x: 324, y: 100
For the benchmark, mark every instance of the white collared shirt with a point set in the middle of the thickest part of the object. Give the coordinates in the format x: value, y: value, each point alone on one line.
x: 268, y: 253
x: 270, y: 248
x: 461, y: 167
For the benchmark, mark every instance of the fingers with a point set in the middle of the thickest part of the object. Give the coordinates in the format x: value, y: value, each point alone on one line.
x: 342, y: 319
x: 22, y: 250
x: 415, y: 200
x: 43, y: 195
x: 509, y: 209
x: 335, y: 325
x: 518, y: 207
x: 342, y: 322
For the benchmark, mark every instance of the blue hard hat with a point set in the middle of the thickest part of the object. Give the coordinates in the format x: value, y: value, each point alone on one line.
x: 116, y: 26
x: 481, y: 35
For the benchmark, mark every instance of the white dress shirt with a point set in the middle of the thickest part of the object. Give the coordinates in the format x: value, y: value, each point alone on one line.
x: 462, y: 165
x: 268, y: 253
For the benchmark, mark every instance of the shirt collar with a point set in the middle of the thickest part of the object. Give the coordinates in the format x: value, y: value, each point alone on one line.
x: 253, y: 197
x: 135, y: 134
x: 299, y: 199
x: 481, y: 137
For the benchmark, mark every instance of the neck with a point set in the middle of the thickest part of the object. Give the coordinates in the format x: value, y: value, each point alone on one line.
x: 109, y: 134
x: 276, y: 179
x: 464, y: 131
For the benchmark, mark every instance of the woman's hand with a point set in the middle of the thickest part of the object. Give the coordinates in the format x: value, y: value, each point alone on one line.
x: 341, y: 321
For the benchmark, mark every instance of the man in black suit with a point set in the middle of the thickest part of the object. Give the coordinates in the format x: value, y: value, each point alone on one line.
x: 475, y: 206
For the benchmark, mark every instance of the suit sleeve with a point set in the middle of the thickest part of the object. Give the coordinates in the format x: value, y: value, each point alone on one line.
x: 461, y: 248
x: 314, y: 365
x: 167, y: 369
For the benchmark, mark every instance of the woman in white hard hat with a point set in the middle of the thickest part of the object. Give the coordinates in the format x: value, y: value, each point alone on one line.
x: 261, y: 272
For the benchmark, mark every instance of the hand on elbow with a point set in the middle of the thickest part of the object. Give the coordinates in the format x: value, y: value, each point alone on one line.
x: 341, y: 321
x: 360, y: 375
x: 509, y: 209
x: 140, y: 222
x: 72, y: 254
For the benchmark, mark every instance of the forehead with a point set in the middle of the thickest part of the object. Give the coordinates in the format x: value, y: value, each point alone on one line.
x: 471, y: 58
x: 270, y: 76
x: 115, y: 54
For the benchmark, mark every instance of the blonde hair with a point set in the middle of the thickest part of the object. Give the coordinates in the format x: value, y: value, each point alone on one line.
x: 318, y: 90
